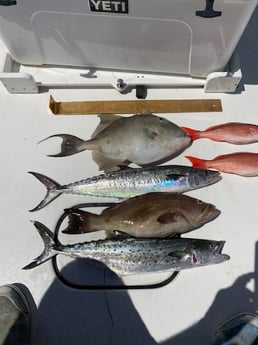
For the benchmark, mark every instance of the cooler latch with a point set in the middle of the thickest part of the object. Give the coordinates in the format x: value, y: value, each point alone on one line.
x: 208, y: 12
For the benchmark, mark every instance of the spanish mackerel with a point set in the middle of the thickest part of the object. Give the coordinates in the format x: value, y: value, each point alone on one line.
x: 141, y: 139
x: 131, y: 182
x: 136, y: 256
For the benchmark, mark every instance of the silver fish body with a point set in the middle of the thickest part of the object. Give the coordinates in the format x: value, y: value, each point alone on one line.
x: 140, y: 139
x: 136, y: 256
x: 131, y: 182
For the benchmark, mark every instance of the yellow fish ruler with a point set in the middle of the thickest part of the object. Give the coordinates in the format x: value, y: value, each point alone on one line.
x: 134, y: 106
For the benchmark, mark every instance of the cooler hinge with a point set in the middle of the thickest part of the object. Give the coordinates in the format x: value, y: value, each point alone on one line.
x: 8, y: 2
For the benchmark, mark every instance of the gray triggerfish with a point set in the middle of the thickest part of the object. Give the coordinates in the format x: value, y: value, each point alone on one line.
x: 145, y: 139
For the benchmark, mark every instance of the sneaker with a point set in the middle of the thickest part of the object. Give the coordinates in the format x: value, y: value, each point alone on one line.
x: 240, y: 330
x: 15, y: 317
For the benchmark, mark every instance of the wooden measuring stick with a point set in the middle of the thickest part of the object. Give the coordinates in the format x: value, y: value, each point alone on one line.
x: 134, y: 106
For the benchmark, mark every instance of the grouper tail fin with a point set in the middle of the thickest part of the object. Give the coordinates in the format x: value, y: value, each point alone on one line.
x: 50, y: 247
x: 80, y: 222
x: 52, y: 190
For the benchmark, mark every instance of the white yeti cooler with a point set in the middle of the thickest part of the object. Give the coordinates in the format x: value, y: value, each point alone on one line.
x: 186, y: 37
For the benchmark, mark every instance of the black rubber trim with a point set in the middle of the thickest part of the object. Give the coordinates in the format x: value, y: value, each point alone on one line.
x: 74, y: 285
x: 8, y: 2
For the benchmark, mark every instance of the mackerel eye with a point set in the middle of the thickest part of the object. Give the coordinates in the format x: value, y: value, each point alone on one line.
x: 212, y: 246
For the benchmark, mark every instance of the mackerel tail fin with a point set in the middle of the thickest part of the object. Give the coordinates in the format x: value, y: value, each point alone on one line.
x: 52, y: 190
x: 70, y: 145
x: 193, y: 133
x: 49, y: 246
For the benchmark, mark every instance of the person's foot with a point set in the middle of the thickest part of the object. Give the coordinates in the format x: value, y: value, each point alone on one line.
x: 15, y: 318
x: 240, y: 330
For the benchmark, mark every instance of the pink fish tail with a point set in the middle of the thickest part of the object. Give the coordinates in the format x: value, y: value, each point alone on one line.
x: 194, y: 134
x: 197, y: 162
x: 79, y: 222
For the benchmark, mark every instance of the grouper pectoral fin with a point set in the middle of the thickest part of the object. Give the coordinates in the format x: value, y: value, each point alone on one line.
x: 125, y: 167
x: 121, y: 234
x: 169, y: 217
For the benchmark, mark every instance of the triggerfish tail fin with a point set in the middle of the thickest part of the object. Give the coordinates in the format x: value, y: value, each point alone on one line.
x: 49, y: 246
x: 70, y: 145
x: 52, y: 190
x: 79, y: 222
x: 197, y: 162
x: 193, y: 133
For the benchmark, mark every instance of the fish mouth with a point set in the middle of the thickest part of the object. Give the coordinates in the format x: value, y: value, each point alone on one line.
x: 207, y: 214
x: 219, y: 255
x: 216, y: 258
x: 213, y: 176
x: 210, y: 212
x: 203, y: 177
x: 188, y: 140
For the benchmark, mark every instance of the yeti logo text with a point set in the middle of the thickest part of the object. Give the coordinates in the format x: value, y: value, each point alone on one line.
x: 111, y: 6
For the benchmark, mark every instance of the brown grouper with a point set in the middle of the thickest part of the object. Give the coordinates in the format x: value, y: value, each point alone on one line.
x: 149, y: 215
